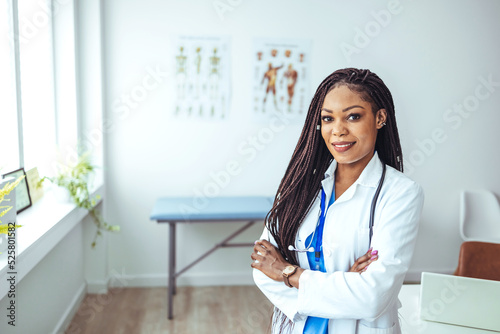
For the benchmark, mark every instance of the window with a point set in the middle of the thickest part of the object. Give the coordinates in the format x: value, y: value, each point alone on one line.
x: 9, y: 143
x: 37, y: 84
x: 38, y: 99
x: 38, y: 108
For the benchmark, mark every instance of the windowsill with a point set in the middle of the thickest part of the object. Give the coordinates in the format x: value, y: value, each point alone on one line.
x: 44, y: 224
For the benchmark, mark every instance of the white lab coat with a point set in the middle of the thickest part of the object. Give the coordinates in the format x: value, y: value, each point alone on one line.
x: 364, y: 303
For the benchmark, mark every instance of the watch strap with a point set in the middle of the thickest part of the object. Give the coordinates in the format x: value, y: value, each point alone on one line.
x: 287, y: 276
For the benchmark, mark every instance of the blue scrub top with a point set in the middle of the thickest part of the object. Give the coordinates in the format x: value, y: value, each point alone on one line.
x: 315, y: 325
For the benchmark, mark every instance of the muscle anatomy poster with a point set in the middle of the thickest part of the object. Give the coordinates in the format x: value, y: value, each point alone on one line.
x: 202, y: 77
x: 280, y: 77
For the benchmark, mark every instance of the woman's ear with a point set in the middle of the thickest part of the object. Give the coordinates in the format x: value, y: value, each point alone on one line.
x: 381, y: 118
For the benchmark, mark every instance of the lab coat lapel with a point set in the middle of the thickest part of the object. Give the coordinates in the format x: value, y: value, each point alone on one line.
x: 369, y: 177
x: 328, y: 181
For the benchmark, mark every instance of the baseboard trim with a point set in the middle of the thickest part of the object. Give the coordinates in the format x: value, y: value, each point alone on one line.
x: 201, y: 279
x: 97, y: 287
x: 71, y: 310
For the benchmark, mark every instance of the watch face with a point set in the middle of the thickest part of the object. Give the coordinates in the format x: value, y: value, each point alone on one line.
x: 288, y: 270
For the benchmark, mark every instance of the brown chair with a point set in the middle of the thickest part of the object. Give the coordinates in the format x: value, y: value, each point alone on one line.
x: 479, y: 260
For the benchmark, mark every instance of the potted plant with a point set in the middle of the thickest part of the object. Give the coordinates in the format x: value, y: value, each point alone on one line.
x: 75, y: 180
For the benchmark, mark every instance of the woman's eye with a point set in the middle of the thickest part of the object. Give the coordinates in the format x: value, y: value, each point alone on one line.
x: 353, y: 117
x: 326, y: 118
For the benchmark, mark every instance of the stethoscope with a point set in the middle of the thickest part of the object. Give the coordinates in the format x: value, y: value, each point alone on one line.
x: 322, y: 214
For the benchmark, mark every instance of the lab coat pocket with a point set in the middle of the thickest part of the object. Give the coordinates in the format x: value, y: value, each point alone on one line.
x: 363, y: 241
x: 362, y: 329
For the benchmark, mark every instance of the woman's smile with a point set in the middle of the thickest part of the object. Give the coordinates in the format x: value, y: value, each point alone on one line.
x: 342, y: 146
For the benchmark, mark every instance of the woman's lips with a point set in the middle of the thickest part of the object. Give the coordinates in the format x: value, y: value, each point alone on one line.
x: 342, y: 146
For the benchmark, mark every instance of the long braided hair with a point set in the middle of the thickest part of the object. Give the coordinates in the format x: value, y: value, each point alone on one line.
x: 311, y: 158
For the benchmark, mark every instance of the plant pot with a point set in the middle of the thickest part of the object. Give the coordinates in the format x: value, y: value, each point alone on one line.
x: 61, y: 194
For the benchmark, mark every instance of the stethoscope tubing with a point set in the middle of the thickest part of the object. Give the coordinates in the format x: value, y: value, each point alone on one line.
x: 322, y: 214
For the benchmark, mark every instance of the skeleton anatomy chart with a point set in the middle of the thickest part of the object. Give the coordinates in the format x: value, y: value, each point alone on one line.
x: 281, y: 77
x: 201, y: 70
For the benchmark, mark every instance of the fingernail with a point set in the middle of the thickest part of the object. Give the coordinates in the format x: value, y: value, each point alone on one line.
x: 255, y: 243
x: 375, y: 252
x: 373, y: 257
x: 370, y: 250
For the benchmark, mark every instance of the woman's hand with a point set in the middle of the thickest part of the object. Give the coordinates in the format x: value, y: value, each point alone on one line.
x: 270, y: 261
x: 364, y: 261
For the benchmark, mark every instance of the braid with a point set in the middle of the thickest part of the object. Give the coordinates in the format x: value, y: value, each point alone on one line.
x: 311, y: 158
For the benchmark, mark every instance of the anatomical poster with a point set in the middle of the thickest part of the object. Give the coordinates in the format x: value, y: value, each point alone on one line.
x: 201, y: 68
x: 281, y: 77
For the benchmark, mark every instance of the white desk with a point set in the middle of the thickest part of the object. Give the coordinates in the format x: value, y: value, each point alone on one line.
x: 412, y: 324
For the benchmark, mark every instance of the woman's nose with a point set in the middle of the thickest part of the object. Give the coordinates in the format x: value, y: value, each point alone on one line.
x: 338, y: 129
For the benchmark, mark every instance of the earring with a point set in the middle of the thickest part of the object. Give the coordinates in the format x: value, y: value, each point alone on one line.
x: 383, y: 124
x: 318, y: 127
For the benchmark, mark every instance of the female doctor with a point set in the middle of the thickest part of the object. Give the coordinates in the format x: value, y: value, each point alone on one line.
x: 319, y: 261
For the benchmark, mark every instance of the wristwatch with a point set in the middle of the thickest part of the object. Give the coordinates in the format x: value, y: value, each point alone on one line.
x: 287, y: 272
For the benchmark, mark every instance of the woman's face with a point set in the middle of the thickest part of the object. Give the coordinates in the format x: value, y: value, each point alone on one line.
x: 349, y: 126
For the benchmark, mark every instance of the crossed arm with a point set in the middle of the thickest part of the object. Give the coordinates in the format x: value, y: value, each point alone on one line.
x: 269, y: 261
x: 344, y: 295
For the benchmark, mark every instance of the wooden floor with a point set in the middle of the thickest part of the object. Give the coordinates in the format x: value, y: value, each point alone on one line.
x: 197, y: 310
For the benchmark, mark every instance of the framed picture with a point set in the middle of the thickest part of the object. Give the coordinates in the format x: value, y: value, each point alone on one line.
x: 33, y: 178
x: 23, y: 199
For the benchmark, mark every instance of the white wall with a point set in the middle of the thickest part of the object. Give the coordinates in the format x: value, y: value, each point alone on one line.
x: 430, y: 55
